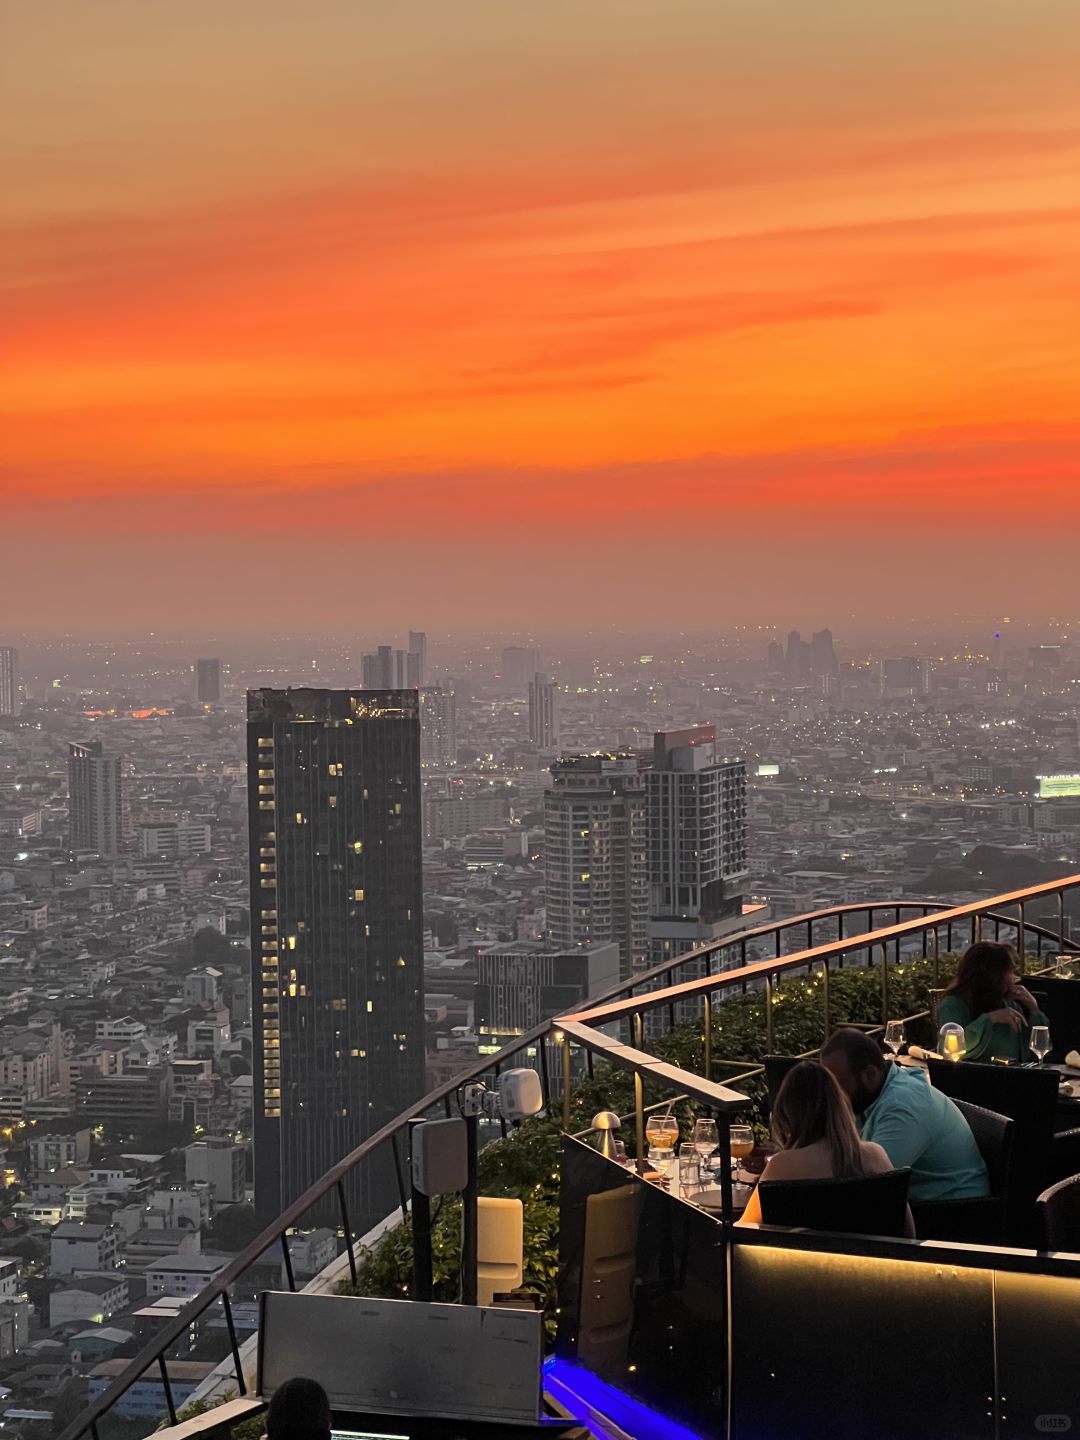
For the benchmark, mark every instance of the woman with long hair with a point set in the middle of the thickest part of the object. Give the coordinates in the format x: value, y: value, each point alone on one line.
x: 988, y: 1000
x: 813, y: 1124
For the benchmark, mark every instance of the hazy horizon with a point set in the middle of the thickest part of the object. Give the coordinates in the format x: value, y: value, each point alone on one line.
x: 855, y: 637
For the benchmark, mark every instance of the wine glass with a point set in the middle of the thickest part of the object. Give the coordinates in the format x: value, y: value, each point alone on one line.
x: 894, y: 1036
x: 620, y: 1153
x: 654, y: 1128
x: 1040, y: 1041
x: 706, y: 1140
x: 662, y: 1131
x: 742, y: 1145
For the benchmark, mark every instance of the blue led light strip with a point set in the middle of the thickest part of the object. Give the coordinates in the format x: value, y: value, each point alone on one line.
x: 569, y: 1382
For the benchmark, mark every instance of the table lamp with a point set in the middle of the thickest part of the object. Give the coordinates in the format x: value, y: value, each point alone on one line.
x: 951, y: 1043
x: 604, y: 1126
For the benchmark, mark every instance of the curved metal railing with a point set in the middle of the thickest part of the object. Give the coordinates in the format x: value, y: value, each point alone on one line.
x: 628, y: 1000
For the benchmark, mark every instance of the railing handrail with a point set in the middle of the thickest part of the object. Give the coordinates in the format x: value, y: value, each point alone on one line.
x: 760, y: 932
x: 791, y: 922
x: 580, y: 1025
x: 608, y: 1012
x: 689, y: 1084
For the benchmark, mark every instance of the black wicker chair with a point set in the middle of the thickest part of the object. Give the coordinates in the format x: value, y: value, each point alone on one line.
x: 1058, y: 1210
x: 984, y: 1220
x: 859, y: 1205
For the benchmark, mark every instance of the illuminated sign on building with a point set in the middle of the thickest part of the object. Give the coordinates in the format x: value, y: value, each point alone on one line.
x: 768, y: 769
x: 1053, y: 786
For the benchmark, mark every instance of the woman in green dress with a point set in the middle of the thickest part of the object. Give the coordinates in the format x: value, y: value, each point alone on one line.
x: 988, y: 1000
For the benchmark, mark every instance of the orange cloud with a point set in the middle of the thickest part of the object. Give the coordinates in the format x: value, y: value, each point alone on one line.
x: 827, y: 288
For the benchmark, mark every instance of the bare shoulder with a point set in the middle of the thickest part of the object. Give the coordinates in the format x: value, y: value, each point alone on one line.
x: 781, y: 1166
x: 875, y: 1160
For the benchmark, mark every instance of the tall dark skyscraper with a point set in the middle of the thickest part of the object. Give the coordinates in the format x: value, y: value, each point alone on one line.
x: 9, y: 679
x: 95, y: 799
x: 208, y: 682
x: 337, y: 933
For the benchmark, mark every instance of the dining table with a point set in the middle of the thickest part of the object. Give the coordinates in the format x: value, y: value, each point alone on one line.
x: 707, y: 1193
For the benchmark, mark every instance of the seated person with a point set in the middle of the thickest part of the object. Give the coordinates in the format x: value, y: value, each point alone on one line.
x: 299, y: 1410
x: 918, y: 1127
x: 989, y: 1001
x: 815, y: 1129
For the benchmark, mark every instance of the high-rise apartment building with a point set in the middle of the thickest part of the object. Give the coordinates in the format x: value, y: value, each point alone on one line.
x: 544, y: 713
x: 337, y: 933
x: 9, y: 680
x: 418, y: 647
x: 595, y: 872
x: 519, y: 664
x: 208, y: 678
x: 95, y: 799
x: 390, y: 669
x: 438, y: 727
x: 698, y: 869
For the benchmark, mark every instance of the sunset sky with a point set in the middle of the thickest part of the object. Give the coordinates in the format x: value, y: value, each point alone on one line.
x: 387, y: 312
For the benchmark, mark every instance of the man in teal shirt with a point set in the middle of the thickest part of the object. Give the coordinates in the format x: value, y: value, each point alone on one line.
x: 918, y: 1127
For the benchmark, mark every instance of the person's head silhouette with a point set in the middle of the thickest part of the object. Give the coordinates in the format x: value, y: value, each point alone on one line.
x: 299, y: 1410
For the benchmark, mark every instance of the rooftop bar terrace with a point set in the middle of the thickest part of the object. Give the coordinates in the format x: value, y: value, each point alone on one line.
x: 654, y: 1314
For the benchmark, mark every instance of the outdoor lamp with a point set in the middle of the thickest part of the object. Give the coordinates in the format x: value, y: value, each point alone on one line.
x: 951, y: 1043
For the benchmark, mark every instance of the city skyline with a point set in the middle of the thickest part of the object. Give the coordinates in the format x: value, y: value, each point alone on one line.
x: 775, y: 269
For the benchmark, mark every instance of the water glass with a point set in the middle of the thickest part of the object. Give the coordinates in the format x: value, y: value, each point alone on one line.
x: 660, y: 1159
x: 689, y: 1167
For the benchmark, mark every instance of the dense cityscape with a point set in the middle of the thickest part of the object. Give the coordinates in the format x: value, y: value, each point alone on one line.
x: 504, y: 826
